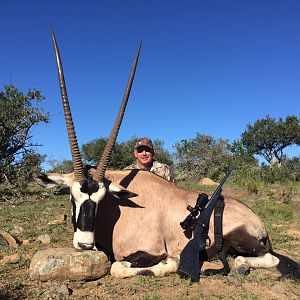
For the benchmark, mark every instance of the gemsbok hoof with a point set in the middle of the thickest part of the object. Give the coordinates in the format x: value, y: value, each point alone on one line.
x: 243, y: 269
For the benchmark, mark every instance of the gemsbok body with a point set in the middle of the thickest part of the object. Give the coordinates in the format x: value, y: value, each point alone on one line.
x: 134, y: 216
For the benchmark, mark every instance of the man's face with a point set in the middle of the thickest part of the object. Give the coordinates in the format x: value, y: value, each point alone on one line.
x: 144, y: 155
x: 91, y: 172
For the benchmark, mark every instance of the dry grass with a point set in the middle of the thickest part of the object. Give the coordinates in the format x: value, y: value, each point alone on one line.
x: 35, y: 212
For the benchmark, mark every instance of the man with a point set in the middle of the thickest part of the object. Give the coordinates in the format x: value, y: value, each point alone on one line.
x: 89, y: 170
x: 144, y: 154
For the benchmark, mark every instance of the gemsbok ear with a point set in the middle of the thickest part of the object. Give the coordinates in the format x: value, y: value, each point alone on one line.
x: 124, y: 194
x: 49, y: 180
x: 120, y: 192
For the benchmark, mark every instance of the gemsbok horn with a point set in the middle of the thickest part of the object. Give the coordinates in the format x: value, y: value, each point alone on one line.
x: 76, y: 157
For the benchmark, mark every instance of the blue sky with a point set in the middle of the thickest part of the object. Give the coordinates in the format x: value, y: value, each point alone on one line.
x: 206, y: 66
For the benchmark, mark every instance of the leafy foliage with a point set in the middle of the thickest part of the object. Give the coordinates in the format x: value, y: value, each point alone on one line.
x: 18, y: 175
x: 64, y: 166
x: 18, y: 114
x: 289, y: 170
x: 26, y: 167
x: 161, y: 154
x: 202, y: 156
x: 246, y: 168
x: 122, y: 154
x: 269, y: 138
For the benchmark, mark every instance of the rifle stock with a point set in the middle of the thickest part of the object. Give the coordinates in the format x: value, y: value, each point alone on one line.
x: 194, y: 254
x: 189, y: 264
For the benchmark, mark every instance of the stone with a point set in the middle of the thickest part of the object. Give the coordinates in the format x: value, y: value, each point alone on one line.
x: 61, y: 220
x: 293, y: 233
x: 44, y: 239
x: 8, y: 239
x: 11, y: 259
x: 57, y: 291
x: 26, y: 242
x: 17, y: 231
x: 3, y: 242
x: 68, y: 264
x: 60, y: 289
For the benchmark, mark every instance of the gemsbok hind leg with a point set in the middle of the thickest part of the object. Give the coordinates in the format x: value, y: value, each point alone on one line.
x: 122, y: 269
x: 243, y: 264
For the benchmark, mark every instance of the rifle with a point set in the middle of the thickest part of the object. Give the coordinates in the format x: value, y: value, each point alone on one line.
x: 190, y: 258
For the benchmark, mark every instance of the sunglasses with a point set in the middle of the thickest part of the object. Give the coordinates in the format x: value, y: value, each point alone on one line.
x: 142, y: 149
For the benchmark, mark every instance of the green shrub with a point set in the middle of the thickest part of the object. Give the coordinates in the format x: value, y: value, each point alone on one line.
x: 252, y: 187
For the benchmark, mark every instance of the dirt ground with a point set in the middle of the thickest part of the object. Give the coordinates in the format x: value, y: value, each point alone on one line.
x: 280, y: 283
x: 275, y: 283
x: 260, y: 284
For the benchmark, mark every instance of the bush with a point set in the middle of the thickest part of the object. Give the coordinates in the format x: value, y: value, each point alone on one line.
x: 21, y: 172
x: 288, y: 170
x: 252, y: 187
x: 291, y: 168
x: 202, y: 156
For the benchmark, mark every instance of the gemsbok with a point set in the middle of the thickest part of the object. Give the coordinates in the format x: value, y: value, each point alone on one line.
x: 134, y: 216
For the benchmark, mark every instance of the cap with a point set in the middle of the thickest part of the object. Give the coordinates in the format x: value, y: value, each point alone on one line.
x: 144, y: 142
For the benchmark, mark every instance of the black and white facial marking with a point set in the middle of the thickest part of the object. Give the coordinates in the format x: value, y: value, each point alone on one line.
x: 85, y: 198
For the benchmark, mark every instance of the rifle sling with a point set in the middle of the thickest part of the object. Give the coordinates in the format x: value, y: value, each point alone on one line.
x: 218, y: 233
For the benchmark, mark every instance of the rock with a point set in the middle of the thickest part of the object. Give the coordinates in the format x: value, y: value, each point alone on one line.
x: 3, y: 242
x: 293, y: 233
x: 11, y: 259
x: 8, y: 239
x: 208, y: 181
x: 26, y: 242
x: 17, y: 231
x: 44, y: 239
x: 60, y: 289
x: 61, y: 220
x: 68, y: 263
x: 57, y: 291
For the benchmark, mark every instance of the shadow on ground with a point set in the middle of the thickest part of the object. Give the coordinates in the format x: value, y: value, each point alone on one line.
x: 288, y: 267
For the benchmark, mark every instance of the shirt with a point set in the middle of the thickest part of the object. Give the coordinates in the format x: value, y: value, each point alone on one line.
x: 160, y: 169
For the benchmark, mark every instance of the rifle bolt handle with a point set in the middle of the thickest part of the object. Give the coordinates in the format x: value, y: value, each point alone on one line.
x: 190, y: 208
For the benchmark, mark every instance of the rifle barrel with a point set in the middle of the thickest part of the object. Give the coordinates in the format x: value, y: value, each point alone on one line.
x: 221, y: 183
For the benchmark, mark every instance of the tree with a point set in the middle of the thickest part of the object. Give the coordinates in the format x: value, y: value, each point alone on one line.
x: 269, y: 138
x: 122, y: 154
x: 63, y: 166
x: 120, y: 157
x: 18, y: 114
x: 246, y: 167
x: 202, y: 156
x: 161, y: 154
